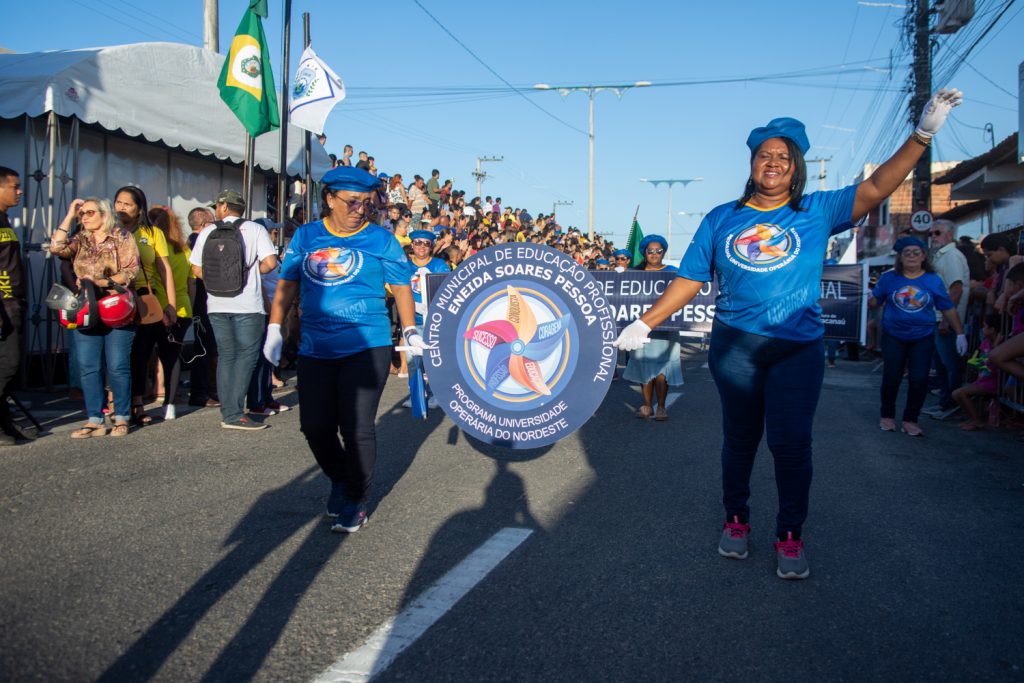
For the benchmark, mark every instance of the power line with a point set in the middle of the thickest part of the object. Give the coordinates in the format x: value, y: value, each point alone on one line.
x: 499, y: 76
x: 163, y: 21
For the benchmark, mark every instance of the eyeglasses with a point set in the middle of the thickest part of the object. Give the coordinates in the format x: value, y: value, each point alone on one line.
x: 354, y: 205
x: 88, y: 213
x: 422, y: 243
x: 655, y: 251
x: 621, y: 258
x: 911, y: 252
x: 936, y: 233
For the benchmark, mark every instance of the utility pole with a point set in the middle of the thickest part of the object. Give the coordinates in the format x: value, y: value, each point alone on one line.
x: 482, y: 175
x: 211, y: 35
x: 821, y: 174
x: 922, y: 183
x: 555, y: 205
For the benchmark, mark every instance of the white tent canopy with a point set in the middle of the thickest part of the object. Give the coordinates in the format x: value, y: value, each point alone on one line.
x: 164, y: 92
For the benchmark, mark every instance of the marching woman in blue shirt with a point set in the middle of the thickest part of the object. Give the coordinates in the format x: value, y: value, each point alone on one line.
x: 421, y: 263
x: 655, y: 366
x: 911, y: 293
x: 339, y: 265
x: 767, y: 355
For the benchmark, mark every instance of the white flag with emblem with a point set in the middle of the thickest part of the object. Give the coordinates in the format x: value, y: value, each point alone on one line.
x: 315, y: 91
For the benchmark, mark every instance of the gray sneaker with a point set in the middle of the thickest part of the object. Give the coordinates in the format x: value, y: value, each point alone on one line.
x: 733, y: 542
x: 943, y: 414
x: 792, y: 562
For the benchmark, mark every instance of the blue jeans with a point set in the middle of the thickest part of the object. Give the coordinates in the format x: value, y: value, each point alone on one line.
x: 238, y: 348
x: 261, y: 385
x: 114, y: 346
x: 948, y: 366
x: 773, y: 385
x: 916, y: 356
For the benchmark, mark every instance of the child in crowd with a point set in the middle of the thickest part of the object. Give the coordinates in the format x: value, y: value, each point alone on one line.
x: 987, y: 384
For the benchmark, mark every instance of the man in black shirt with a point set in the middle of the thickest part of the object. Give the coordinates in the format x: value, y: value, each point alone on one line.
x: 12, y: 293
x: 202, y: 389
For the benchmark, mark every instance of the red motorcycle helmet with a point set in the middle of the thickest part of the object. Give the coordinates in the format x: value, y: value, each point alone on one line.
x: 117, y: 309
x: 75, y: 312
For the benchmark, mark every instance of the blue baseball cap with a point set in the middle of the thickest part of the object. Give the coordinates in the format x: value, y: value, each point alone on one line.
x: 602, y: 261
x: 350, y: 178
x: 622, y: 252
x: 784, y: 127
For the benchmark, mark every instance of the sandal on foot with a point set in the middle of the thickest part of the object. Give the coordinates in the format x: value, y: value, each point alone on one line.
x: 643, y: 412
x: 120, y: 429
x: 660, y: 415
x: 89, y: 429
x: 887, y: 424
x: 139, y: 416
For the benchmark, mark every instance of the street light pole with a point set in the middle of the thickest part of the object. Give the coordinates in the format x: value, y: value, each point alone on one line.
x: 591, y: 91
x: 670, y: 182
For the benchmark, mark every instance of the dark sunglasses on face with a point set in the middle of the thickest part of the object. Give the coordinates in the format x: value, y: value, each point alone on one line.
x: 88, y: 213
x: 422, y: 243
x: 621, y: 258
x: 911, y: 252
x: 936, y: 233
x: 354, y: 205
x: 655, y: 251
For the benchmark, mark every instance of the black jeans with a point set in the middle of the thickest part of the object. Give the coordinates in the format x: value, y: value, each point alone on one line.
x: 773, y: 385
x: 342, y: 395
x: 204, y: 352
x: 916, y: 356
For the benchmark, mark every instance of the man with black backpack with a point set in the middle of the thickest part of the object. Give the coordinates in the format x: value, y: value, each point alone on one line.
x: 230, y: 256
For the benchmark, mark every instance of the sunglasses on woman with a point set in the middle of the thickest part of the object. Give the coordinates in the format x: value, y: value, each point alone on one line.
x: 422, y: 243
x: 655, y: 251
x: 88, y: 213
x: 354, y: 205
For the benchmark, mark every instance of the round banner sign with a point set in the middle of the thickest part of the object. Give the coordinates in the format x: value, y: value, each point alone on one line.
x: 522, y: 345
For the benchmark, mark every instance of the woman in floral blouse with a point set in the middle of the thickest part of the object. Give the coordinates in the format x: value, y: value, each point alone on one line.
x: 106, y: 255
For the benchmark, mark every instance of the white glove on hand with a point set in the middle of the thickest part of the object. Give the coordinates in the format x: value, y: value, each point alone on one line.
x: 414, y: 344
x: 272, y: 347
x: 961, y: 344
x: 938, y: 109
x: 633, y: 336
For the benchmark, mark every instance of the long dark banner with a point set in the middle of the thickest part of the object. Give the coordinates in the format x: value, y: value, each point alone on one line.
x: 631, y: 293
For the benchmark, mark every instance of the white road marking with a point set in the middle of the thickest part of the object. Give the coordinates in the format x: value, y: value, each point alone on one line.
x: 398, y: 633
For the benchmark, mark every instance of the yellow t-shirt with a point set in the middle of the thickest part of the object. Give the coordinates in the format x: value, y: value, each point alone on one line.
x: 182, y: 271
x: 152, y: 243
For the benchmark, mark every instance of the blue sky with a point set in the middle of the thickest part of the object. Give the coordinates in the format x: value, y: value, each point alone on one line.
x: 382, y: 49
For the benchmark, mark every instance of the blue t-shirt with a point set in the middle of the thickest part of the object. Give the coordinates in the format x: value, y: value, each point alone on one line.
x: 910, y: 303
x: 341, y: 284
x: 419, y: 285
x: 769, y: 262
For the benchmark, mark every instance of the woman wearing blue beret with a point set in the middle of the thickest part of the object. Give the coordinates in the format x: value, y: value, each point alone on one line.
x: 655, y: 366
x: 767, y: 354
x: 340, y: 265
x: 911, y: 292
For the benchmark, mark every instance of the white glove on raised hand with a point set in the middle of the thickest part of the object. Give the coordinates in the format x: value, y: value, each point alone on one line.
x: 414, y: 344
x: 937, y: 110
x: 272, y: 347
x: 633, y: 336
x: 961, y: 344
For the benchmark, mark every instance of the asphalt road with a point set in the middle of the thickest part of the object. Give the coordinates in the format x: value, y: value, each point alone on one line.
x: 186, y: 552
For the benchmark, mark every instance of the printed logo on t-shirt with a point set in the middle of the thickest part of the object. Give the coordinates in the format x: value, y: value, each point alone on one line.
x: 332, y: 266
x: 910, y: 298
x: 763, y: 247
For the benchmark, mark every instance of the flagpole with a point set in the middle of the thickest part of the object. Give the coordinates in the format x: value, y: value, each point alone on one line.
x: 307, y: 141
x: 247, y: 173
x: 282, y: 176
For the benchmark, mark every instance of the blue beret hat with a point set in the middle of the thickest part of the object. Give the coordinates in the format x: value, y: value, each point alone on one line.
x: 784, y: 127
x: 350, y: 178
x: 647, y: 241
x: 422, y: 235
x: 602, y: 261
x: 904, y: 242
x: 622, y: 252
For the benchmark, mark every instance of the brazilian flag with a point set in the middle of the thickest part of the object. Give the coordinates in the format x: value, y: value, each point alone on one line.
x: 246, y: 82
x: 633, y: 244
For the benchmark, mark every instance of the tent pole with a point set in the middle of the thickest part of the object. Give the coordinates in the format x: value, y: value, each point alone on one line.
x: 282, y: 174
x: 307, y: 152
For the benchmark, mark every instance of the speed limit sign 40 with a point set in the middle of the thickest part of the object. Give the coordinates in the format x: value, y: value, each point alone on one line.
x: 921, y: 221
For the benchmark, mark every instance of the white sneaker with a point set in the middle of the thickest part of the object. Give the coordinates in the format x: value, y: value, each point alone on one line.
x: 170, y: 413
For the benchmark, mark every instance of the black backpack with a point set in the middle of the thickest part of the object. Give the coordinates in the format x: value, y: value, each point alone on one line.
x: 225, y: 270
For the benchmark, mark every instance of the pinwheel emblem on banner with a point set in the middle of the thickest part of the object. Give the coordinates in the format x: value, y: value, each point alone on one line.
x: 518, y: 345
